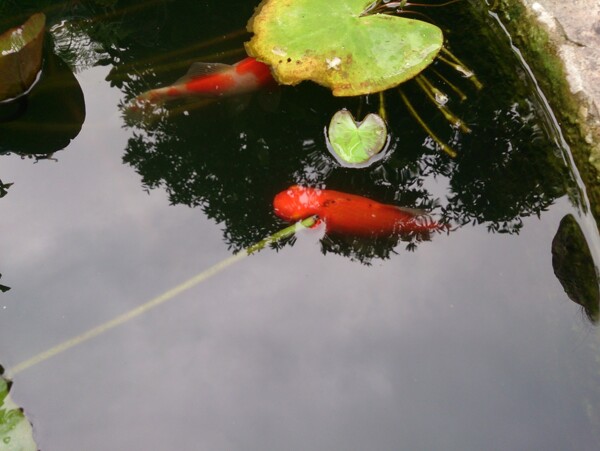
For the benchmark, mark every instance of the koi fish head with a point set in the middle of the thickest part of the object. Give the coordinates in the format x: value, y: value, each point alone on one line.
x: 296, y: 203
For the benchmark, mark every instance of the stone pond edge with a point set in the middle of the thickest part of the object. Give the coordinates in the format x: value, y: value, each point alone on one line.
x: 543, y: 47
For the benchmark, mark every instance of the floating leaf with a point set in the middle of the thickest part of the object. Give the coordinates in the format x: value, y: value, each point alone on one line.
x: 15, y: 430
x: 353, y: 142
x: 333, y: 44
x: 21, y: 56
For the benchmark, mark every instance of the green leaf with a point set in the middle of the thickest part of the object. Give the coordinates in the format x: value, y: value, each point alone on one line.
x: 16, y: 433
x: 333, y: 44
x: 353, y: 142
x: 21, y: 56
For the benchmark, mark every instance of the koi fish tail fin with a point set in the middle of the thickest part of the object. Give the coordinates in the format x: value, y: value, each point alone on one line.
x: 152, y: 98
x: 422, y: 223
x: 146, y: 106
x: 427, y: 224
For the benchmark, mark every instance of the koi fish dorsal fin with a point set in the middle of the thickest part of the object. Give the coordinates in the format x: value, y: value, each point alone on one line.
x: 198, y: 70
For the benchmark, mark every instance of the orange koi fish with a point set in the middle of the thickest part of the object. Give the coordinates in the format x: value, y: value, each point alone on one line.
x: 213, y: 80
x: 350, y: 214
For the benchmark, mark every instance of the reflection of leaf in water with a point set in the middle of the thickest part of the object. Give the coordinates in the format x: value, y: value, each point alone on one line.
x: 53, y: 113
x: 3, y: 288
x: 15, y: 430
x: 574, y: 267
x: 4, y: 188
x: 21, y: 56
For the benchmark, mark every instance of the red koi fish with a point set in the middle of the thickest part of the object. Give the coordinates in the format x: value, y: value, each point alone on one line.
x: 350, y: 214
x: 213, y: 80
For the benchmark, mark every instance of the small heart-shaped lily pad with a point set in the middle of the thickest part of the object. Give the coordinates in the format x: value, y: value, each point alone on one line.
x: 356, y: 143
x: 335, y: 44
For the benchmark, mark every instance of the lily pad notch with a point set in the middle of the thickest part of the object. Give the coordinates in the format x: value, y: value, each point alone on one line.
x: 335, y: 45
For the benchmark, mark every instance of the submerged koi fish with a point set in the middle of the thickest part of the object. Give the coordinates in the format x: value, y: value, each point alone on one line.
x: 213, y: 80
x: 350, y: 214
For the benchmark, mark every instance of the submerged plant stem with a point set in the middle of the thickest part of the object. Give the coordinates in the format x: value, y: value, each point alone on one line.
x: 450, y: 59
x: 452, y: 86
x: 282, y: 234
x: 422, y: 123
x: 382, y: 110
x: 432, y: 94
x: 159, y: 300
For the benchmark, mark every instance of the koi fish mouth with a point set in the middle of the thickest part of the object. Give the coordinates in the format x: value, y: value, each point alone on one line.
x: 295, y: 203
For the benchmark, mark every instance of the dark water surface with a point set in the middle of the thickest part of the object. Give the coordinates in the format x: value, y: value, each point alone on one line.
x: 464, y: 342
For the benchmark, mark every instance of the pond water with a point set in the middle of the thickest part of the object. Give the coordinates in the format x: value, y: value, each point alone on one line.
x: 465, y: 341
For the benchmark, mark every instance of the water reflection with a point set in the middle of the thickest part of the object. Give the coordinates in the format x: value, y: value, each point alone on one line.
x: 231, y: 160
x: 233, y: 166
x: 471, y: 336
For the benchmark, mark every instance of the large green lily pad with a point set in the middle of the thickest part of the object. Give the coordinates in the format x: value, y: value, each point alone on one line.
x: 21, y: 56
x: 333, y: 44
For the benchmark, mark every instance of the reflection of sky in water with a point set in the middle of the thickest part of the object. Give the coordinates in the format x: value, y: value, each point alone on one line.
x: 469, y: 343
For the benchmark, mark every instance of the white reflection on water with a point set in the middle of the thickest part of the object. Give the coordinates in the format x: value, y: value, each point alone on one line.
x: 466, y: 343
